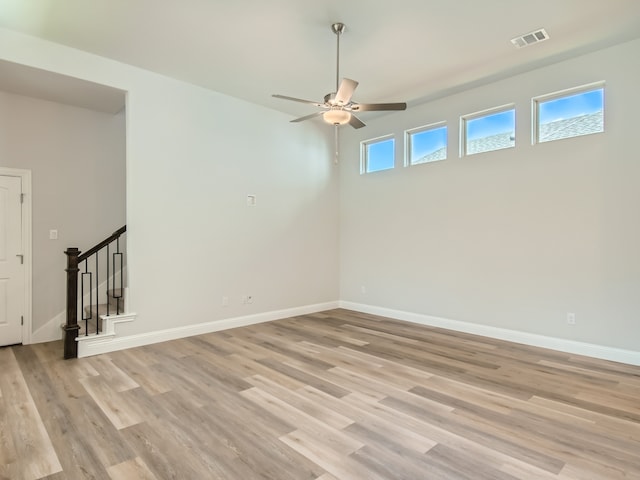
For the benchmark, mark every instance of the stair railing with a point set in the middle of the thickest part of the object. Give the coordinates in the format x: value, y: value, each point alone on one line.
x: 89, y: 262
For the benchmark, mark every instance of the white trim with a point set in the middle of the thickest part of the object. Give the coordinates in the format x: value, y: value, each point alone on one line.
x: 364, y: 157
x: 408, y: 142
x: 567, y: 92
x: 570, y: 346
x: 25, y: 177
x: 93, y: 344
x: 464, y: 119
x: 109, y: 342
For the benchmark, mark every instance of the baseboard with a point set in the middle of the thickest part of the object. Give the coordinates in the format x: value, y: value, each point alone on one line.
x: 570, y: 346
x: 112, y: 343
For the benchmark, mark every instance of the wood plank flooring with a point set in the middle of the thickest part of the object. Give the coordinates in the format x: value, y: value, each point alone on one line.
x: 337, y: 395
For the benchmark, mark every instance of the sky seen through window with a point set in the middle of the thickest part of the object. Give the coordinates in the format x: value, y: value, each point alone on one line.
x: 571, y: 106
x: 380, y: 155
x: 426, y: 142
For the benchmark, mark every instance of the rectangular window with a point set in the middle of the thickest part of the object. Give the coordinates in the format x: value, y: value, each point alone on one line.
x: 426, y: 144
x: 488, y: 130
x: 570, y: 113
x: 377, y: 154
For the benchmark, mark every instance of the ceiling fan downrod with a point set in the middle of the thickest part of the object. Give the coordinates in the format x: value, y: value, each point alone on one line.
x: 338, y: 28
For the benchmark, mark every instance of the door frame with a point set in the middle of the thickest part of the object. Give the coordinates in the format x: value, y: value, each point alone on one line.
x: 25, y: 176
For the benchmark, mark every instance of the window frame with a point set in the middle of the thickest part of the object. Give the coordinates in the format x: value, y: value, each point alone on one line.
x: 567, y: 92
x: 417, y: 130
x: 484, y: 113
x: 364, y: 161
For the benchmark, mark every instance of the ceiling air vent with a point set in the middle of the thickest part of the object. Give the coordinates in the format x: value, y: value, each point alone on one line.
x: 530, y: 38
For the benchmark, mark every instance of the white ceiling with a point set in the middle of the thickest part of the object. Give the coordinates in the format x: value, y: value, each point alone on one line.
x: 54, y: 87
x: 400, y: 50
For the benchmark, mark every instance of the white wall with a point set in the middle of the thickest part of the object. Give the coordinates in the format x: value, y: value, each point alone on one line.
x: 192, y: 157
x: 193, y: 239
x: 512, y: 239
x: 77, y: 160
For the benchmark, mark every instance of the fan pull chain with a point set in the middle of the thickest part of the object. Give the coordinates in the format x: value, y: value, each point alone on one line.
x: 337, y: 149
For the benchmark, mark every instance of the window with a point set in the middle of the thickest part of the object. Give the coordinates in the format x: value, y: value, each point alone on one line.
x: 426, y: 144
x: 377, y: 154
x: 488, y: 130
x: 571, y: 113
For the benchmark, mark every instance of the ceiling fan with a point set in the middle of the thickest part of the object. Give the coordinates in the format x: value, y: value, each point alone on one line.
x: 338, y: 108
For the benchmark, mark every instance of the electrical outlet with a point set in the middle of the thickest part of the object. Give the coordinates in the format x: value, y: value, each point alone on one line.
x: 246, y: 299
x: 225, y: 301
x: 571, y: 318
x: 363, y: 289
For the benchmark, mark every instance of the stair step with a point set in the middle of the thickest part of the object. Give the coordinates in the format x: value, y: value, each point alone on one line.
x: 115, y: 304
x: 102, y: 310
x: 116, y: 299
x: 115, y: 296
x: 88, y: 326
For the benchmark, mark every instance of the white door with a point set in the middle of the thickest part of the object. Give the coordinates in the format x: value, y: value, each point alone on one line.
x: 11, y: 261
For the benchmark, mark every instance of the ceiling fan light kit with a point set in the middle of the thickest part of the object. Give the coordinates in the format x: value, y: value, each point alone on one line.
x: 336, y: 116
x: 338, y: 106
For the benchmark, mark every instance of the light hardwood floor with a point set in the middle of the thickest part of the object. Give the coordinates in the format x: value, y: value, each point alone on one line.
x: 335, y: 395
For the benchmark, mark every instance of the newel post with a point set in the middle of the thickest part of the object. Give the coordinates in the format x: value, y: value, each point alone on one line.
x: 71, y: 327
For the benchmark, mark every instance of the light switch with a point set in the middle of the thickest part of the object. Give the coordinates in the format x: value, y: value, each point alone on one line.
x: 251, y: 200
x: 53, y: 234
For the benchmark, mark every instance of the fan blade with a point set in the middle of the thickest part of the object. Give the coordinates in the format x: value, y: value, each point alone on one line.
x: 345, y: 91
x: 306, y: 117
x: 301, y: 100
x: 372, y: 107
x: 355, y: 122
